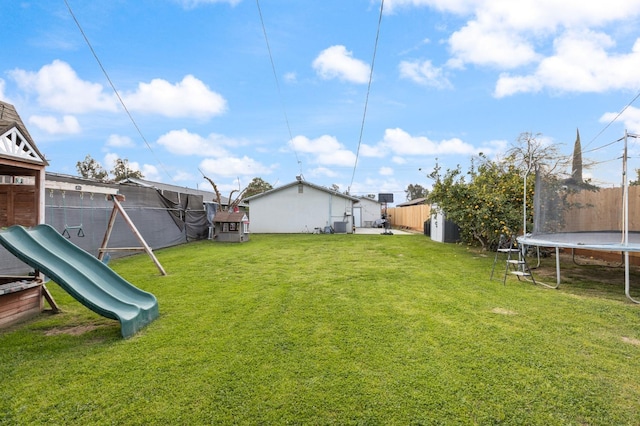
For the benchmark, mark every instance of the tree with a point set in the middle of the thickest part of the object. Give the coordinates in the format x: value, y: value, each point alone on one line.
x: 415, y: 191
x: 121, y: 171
x: 484, y: 203
x: 637, y: 181
x: 489, y: 199
x: 256, y: 186
x: 91, y: 169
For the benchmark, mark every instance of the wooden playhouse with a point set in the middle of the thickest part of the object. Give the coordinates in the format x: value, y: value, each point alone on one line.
x: 22, y: 181
x: 231, y: 227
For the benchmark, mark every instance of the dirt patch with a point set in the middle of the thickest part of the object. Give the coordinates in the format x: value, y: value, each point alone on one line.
x: 72, y: 331
x: 503, y: 311
x: 633, y: 341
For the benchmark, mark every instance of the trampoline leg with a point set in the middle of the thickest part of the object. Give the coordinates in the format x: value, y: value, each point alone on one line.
x: 627, y: 286
x: 557, y: 273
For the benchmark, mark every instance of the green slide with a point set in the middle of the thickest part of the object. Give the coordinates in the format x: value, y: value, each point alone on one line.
x: 83, y: 276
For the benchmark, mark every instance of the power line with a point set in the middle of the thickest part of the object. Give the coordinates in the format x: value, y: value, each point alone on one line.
x: 366, y: 101
x: 614, y: 119
x: 104, y: 71
x: 275, y: 76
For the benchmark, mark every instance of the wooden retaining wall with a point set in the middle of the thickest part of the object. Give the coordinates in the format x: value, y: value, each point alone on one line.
x: 19, y: 304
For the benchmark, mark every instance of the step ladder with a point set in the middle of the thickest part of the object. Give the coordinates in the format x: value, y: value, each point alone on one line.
x: 515, y: 260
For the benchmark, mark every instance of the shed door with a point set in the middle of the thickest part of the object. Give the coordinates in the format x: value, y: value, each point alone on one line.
x: 357, y: 217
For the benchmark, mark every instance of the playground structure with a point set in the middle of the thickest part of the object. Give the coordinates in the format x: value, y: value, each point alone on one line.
x: 83, y: 276
x: 593, y: 213
x: 49, y: 253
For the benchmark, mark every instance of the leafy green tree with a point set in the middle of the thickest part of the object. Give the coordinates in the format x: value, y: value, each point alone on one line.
x: 121, y: 171
x: 91, y: 169
x: 637, y: 181
x: 415, y: 191
x: 488, y: 200
x: 256, y: 186
x: 484, y: 203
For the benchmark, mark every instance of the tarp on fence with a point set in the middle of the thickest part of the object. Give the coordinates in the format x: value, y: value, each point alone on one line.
x: 163, y: 218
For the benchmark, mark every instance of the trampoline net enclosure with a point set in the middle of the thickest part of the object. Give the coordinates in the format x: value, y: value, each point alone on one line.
x: 588, y: 205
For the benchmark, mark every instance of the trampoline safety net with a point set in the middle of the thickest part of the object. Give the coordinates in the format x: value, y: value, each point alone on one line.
x: 587, y: 205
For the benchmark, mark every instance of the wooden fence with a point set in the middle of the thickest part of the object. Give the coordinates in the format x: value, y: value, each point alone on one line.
x: 410, y: 217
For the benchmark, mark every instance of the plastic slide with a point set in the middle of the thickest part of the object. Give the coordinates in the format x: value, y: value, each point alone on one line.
x: 82, y: 275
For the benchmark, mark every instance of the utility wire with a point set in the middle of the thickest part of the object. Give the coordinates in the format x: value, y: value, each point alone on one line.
x: 104, y: 71
x: 366, y: 101
x: 614, y: 119
x: 275, y: 76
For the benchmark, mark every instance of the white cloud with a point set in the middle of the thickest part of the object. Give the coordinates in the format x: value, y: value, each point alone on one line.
x: 424, y: 73
x: 323, y: 172
x: 110, y: 159
x: 508, y: 35
x: 118, y: 141
x: 2, y: 86
x: 338, y: 62
x: 371, y: 151
x: 187, y: 98
x: 233, y: 166
x: 454, y: 6
x: 581, y: 63
x: 182, y: 142
x: 479, y: 45
x: 400, y: 142
x: 58, y: 87
x: 68, y: 125
x: 291, y: 77
x: 630, y: 117
x: 326, y: 150
x: 150, y: 172
x: 385, y: 171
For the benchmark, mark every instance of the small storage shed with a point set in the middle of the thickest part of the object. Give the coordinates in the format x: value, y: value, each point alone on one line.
x: 22, y: 178
x: 441, y: 229
x: 231, y: 227
x: 301, y: 207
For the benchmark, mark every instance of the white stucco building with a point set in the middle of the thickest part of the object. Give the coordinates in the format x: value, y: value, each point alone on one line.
x: 300, y: 207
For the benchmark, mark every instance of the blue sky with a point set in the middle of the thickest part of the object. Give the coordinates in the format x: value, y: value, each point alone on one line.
x: 451, y: 78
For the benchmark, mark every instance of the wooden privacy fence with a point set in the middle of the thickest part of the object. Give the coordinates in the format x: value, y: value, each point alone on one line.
x: 602, y: 210
x: 411, y: 217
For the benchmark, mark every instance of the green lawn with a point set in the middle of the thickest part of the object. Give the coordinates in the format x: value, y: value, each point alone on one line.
x: 331, y: 329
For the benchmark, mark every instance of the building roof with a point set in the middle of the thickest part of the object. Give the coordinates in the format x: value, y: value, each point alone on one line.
x: 301, y: 182
x: 369, y: 199
x: 206, y: 195
x: 415, y: 202
x: 230, y: 217
x: 27, y: 151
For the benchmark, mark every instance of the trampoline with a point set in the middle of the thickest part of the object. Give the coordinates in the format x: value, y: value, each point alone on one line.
x: 572, y: 212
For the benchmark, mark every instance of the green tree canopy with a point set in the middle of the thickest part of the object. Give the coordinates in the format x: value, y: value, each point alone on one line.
x: 415, y: 191
x: 488, y: 200
x: 121, y: 171
x: 256, y: 186
x: 91, y: 169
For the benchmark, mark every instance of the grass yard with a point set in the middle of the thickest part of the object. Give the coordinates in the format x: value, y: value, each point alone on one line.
x: 331, y: 329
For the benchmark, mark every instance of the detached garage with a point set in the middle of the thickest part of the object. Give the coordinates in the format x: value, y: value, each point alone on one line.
x: 300, y: 207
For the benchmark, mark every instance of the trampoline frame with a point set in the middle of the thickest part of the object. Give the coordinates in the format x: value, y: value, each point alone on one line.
x: 610, y: 241
x: 563, y: 240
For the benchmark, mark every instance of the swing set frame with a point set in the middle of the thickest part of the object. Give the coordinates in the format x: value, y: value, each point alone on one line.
x: 113, y: 196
